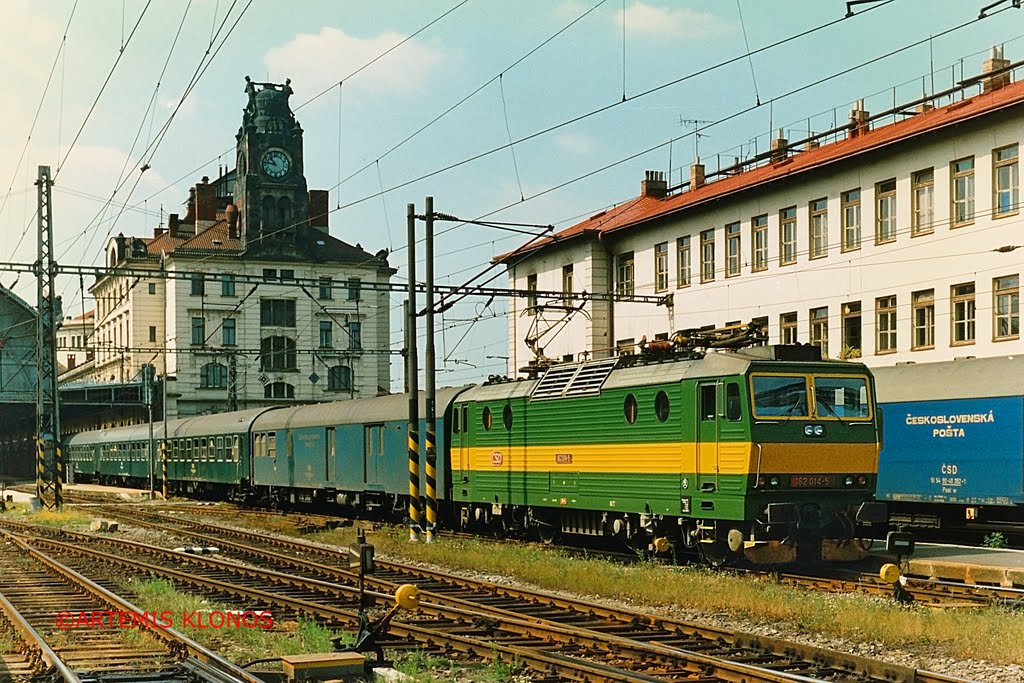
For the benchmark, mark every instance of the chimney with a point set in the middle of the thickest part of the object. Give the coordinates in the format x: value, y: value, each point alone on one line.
x: 319, y: 210
x: 206, y: 201
x: 231, y: 214
x: 995, y: 62
x: 654, y: 184
x: 158, y: 232
x: 859, y: 120
x: 174, y: 225
x: 779, y: 146
x: 696, y: 174
x: 812, y: 144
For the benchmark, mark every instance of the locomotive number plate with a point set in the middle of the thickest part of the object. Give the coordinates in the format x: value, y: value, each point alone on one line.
x: 563, y: 458
x: 811, y: 481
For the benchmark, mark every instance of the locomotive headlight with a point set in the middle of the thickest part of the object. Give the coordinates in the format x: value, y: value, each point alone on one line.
x: 808, y: 430
x: 819, y: 430
x: 774, y: 481
x: 862, y: 480
x: 848, y: 481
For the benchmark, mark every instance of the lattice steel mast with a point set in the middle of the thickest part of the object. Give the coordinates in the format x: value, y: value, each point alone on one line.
x: 49, y: 452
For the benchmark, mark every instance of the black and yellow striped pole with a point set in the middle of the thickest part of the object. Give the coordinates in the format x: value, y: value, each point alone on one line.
x: 429, y: 375
x: 40, y: 468
x: 163, y: 466
x: 412, y: 372
x: 58, y: 483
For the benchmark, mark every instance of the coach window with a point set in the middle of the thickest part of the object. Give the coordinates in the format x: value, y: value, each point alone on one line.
x: 220, y: 449
x: 661, y: 406
x: 272, y: 445
x: 188, y: 449
x: 234, y: 449
x: 629, y: 408
x: 732, y: 402
x: 506, y: 417
x: 486, y: 419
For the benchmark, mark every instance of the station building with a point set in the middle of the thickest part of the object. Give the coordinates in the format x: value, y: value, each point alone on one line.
x: 251, y: 301
x: 892, y: 241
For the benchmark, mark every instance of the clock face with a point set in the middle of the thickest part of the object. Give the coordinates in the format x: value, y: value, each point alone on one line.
x: 276, y: 163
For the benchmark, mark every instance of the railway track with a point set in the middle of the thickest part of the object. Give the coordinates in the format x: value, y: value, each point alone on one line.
x: 541, y: 609
x: 39, y: 597
x: 936, y: 593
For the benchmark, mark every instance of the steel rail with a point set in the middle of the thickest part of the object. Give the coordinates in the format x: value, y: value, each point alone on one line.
x: 36, y: 642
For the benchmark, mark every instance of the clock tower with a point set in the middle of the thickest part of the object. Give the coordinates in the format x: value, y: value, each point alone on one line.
x: 270, y: 191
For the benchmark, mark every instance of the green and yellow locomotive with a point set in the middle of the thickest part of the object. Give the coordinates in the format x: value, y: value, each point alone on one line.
x: 763, y: 449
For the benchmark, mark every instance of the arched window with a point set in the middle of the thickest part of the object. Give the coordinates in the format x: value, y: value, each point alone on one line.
x: 269, y: 214
x: 213, y: 376
x: 277, y: 353
x: 284, y: 215
x: 339, y: 378
x: 279, y: 390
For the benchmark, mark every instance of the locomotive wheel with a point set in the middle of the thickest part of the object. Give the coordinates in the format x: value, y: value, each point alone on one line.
x: 548, y: 534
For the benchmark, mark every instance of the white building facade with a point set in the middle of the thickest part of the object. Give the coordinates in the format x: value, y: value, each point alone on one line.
x: 895, y: 243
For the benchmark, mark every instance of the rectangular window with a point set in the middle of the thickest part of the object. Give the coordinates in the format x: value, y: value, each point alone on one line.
x: 961, y: 189
x: 851, y: 219
x: 819, y: 228
x: 707, y: 255
x: 923, y: 304
x: 1005, y: 181
x: 567, y: 283
x: 759, y: 243
x: 885, y: 324
x: 625, y: 347
x: 819, y: 329
x: 354, y: 287
x: 922, y: 195
x: 326, y: 334
x: 152, y: 288
x: 325, y: 287
x: 277, y: 313
x: 531, y: 299
x: 885, y: 212
x: 227, y: 285
x: 624, y: 273
x: 733, y: 261
x: 787, y: 236
x: 683, y: 261
x: 269, y: 274
x: 962, y: 307
x: 787, y: 328
x: 1006, y: 301
x: 661, y: 267
x: 198, y: 284
x: 851, y: 330
x: 198, y: 331
x: 287, y: 275
x: 152, y: 333
x: 228, y: 332
x: 355, y: 335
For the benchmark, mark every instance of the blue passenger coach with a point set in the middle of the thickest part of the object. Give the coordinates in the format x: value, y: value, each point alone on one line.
x: 953, y: 441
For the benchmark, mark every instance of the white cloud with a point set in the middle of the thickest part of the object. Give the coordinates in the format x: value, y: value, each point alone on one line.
x: 662, y: 22
x: 575, y: 143
x: 316, y: 60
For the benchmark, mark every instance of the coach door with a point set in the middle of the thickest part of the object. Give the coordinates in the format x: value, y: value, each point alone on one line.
x: 708, y: 435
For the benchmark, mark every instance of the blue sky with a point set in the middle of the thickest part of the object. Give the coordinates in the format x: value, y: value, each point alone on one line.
x: 319, y: 43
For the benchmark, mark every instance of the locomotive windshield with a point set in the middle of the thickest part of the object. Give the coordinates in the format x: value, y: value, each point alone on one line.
x: 835, y: 397
x: 840, y: 397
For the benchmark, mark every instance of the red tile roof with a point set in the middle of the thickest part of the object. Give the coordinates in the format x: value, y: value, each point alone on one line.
x: 641, y: 209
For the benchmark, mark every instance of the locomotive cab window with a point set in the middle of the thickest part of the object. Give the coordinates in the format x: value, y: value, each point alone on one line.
x: 782, y: 396
x: 456, y: 422
x: 708, y: 401
x: 486, y: 418
x: 841, y: 397
x: 506, y: 417
x: 733, y: 407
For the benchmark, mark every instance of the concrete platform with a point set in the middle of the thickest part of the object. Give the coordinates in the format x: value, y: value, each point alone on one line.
x: 984, y: 566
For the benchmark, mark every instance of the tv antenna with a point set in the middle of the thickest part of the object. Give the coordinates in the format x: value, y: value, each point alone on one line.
x: 697, y: 135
